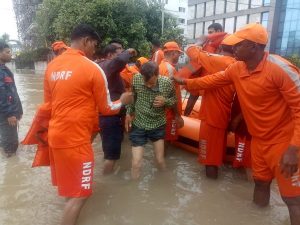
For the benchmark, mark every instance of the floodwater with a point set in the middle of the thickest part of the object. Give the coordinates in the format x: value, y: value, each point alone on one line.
x: 180, y: 196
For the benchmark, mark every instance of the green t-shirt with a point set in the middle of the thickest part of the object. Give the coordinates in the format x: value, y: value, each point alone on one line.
x: 147, y: 116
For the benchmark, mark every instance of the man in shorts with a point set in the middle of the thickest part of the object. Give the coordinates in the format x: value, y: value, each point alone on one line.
x: 77, y: 91
x: 152, y: 95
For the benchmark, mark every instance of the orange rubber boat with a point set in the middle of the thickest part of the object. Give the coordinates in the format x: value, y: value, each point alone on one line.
x: 188, y: 135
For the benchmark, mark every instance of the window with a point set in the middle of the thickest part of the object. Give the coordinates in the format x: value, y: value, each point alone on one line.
x: 191, y: 12
x: 210, y: 8
x: 200, y: 10
x: 243, y: 4
x: 231, y: 5
x: 191, y: 31
x: 229, y: 25
x: 256, y: 3
x: 199, y: 29
x: 181, y: 9
x: 264, y: 19
x: 241, y: 21
x: 221, y: 21
x: 280, y: 27
x: 266, y: 2
x: 181, y: 21
x: 220, y: 6
x: 254, y: 18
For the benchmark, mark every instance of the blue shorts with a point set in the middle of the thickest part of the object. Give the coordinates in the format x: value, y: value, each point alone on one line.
x: 111, y: 131
x: 140, y: 136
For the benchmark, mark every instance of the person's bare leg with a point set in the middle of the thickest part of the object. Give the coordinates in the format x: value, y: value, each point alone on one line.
x: 72, y: 210
x: 159, y: 153
x: 293, y: 205
x: 137, y: 159
x: 108, y: 166
x: 261, y: 195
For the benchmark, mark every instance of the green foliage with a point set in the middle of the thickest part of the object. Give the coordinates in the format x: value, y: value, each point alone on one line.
x: 136, y: 22
x: 4, y: 38
x: 295, y: 59
x: 26, y: 59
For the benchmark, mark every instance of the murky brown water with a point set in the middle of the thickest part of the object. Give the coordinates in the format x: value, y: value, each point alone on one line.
x: 180, y: 196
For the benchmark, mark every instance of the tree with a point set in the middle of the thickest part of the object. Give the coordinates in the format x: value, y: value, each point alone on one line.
x: 4, y: 38
x: 295, y: 59
x: 136, y: 22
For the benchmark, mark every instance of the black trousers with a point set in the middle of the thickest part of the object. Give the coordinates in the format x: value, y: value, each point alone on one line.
x: 9, y: 140
x: 111, y: 131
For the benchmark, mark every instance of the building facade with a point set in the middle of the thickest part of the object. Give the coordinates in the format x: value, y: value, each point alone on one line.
x: 280, y: 17
x: 25, y: 11
x: 179, y: 9
x: 286, y: 28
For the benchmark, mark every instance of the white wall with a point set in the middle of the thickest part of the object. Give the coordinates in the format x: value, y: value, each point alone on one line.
x: 172, y: 7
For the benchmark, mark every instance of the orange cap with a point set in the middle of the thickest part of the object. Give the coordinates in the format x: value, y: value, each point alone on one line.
x: 58, y: 45
x: 172, y: 46
x: 254, y: 32
x: 142, y: 60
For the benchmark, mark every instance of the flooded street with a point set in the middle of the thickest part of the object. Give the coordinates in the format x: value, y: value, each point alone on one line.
x: 180, y: 196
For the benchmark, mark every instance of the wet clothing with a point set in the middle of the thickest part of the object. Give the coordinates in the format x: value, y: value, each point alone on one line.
x: 214, y: 41
x: 127, y: 75
x: 72, y: 170
x: 146, y: 115
x: 211, y: 45
x: 265, y: 166
x: 215, y: 108
x: 111, y: 127
x: 111, y: 131
x: 216, y: 103
x: 242, y: 156
x: 169, y: 70
x: 212, y: 144
x: 10, y: 105
x: 269, y: 97
x: 140, y: 136
x: 158, y: 56
x: 112, y: 69
x: 9, y: 140
x: 77, y: 91
x: 270, y: 102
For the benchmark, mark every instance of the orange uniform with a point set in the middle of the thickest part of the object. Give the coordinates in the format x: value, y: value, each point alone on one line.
x: 77, y: 91
x: 127, y: 75
x: 158, y: 56
x: 270, y: 102
x: 242, y: 156
x: 215, y: 108
x: 130, y: 70
x: 169, y: 70
x: 214, y: 41
x: 193, y: 66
